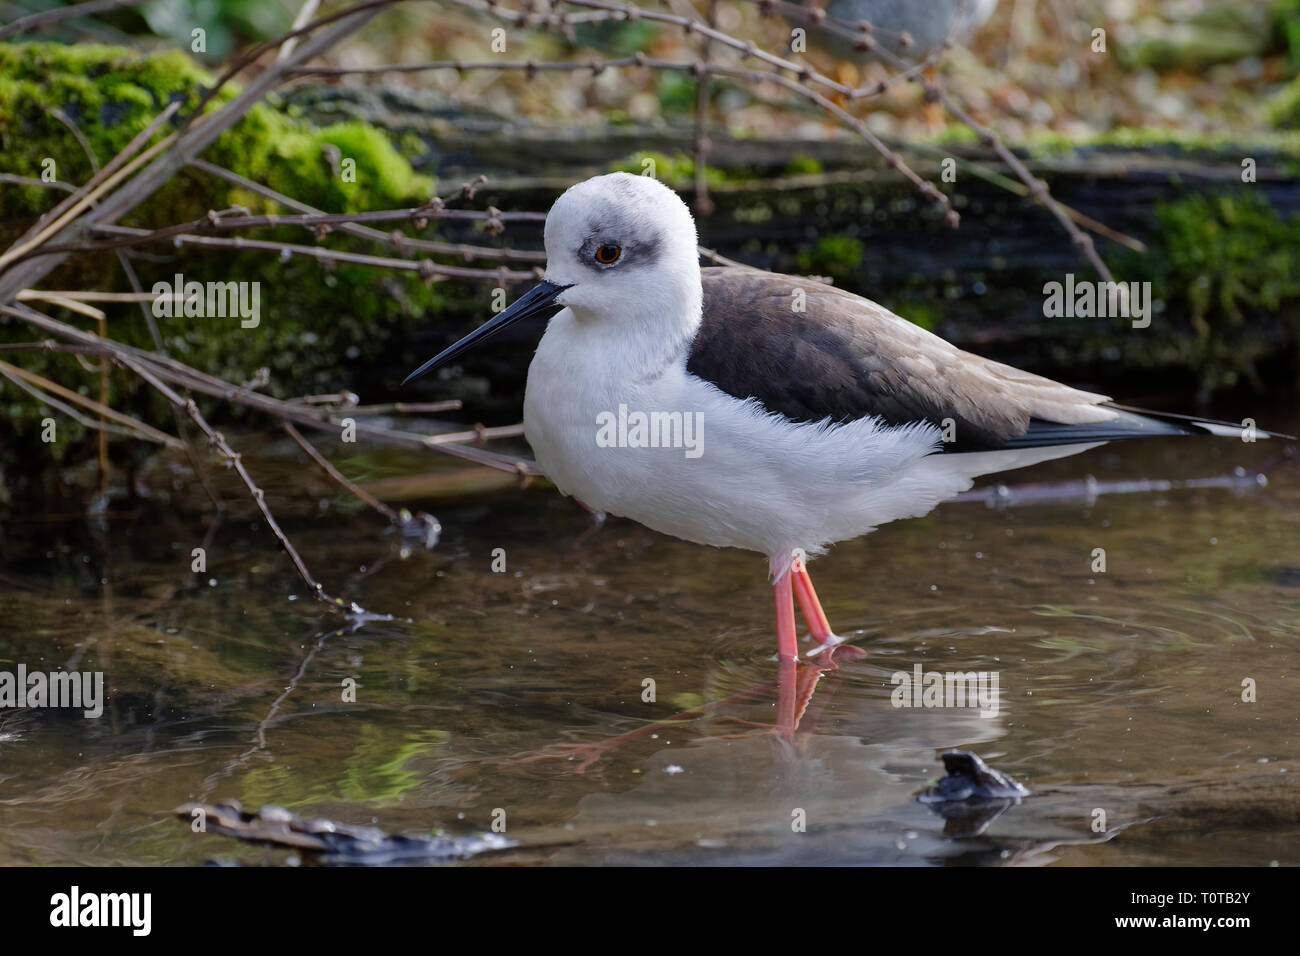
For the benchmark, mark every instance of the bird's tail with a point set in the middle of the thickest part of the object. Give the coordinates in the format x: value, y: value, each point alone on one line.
x: 1136, y: 423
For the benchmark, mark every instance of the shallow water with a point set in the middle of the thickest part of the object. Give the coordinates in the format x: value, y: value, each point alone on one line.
x: 1121, y: 692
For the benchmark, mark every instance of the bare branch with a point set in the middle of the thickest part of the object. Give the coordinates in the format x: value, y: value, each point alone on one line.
x: 426, y: 268
x: 235, y: 461
x: 33, y: 181
x: 352, y: 487
x: 39, y: 387
x: 178, y: 373
x: 399, y: 240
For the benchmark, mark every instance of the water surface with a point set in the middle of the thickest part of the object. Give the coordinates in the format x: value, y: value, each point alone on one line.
x: 1121, y: 691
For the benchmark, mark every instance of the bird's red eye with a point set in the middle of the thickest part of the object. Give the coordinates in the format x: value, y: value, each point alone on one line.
x: 606, y: 255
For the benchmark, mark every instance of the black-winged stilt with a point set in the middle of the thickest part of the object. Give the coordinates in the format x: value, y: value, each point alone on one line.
x: 739, y: 408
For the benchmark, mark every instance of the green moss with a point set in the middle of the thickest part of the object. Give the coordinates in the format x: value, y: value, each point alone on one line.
x: 1283, y: 107
x: 112, y: 93
x: 1226, y: 33
x: 1222, y: 265
x: 317, y: 324
x: 956, y: 134
x: 923, y: 312
x: 1052, y: 143
x: 1286, y: 28
x: 617, y: 38
x: 676, y: 91
x: 380, y: 169
x: 803, y: 166
x: 677, y: 171
x: 837, y: 256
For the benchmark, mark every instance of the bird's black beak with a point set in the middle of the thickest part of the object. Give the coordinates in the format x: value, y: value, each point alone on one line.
x: 537, y: 301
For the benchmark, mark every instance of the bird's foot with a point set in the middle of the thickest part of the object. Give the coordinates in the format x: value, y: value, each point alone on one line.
x: 827, y: 643
x: 832, y: 653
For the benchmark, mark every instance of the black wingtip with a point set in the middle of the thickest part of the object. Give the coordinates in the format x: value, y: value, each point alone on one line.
x: 1197, y: 425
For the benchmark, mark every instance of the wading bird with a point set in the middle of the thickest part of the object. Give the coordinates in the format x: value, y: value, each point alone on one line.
x: 816, y: 414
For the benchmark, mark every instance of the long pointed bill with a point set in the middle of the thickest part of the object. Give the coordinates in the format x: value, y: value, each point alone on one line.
x: 537, y: 301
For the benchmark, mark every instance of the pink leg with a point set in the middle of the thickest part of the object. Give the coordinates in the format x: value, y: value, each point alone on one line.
x: 787, y: 644
x: 796, y: 681
x: 809, y: 606
x: 787, y: 651
x: 830, y: 647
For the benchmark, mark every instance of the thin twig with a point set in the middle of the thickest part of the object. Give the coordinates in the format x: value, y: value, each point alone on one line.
x: 34, y: 20
x: 399, y: 240
x: 79, y: 295
x: 426, y: 268
x: 703, y: 204
x: 66, y: 302
x: 217, y: 441
x: 33, y: 181
x: 352, y: 487
x: 77, y: 134
x: 130, y: 427
x: 155, y: 335
x: 179, y: 373
x: 49, y: 345
x: 402, y: 241
x: 305, y: 13
x: 408, y: 408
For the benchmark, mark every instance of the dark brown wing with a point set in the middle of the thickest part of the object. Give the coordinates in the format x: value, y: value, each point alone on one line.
x: 845, y: 357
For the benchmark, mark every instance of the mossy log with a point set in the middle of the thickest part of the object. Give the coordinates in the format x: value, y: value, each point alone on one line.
x: 1215, y: 221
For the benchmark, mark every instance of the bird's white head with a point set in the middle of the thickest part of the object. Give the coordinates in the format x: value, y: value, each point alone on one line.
x: 622, y: 245
x: 621, y: 252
